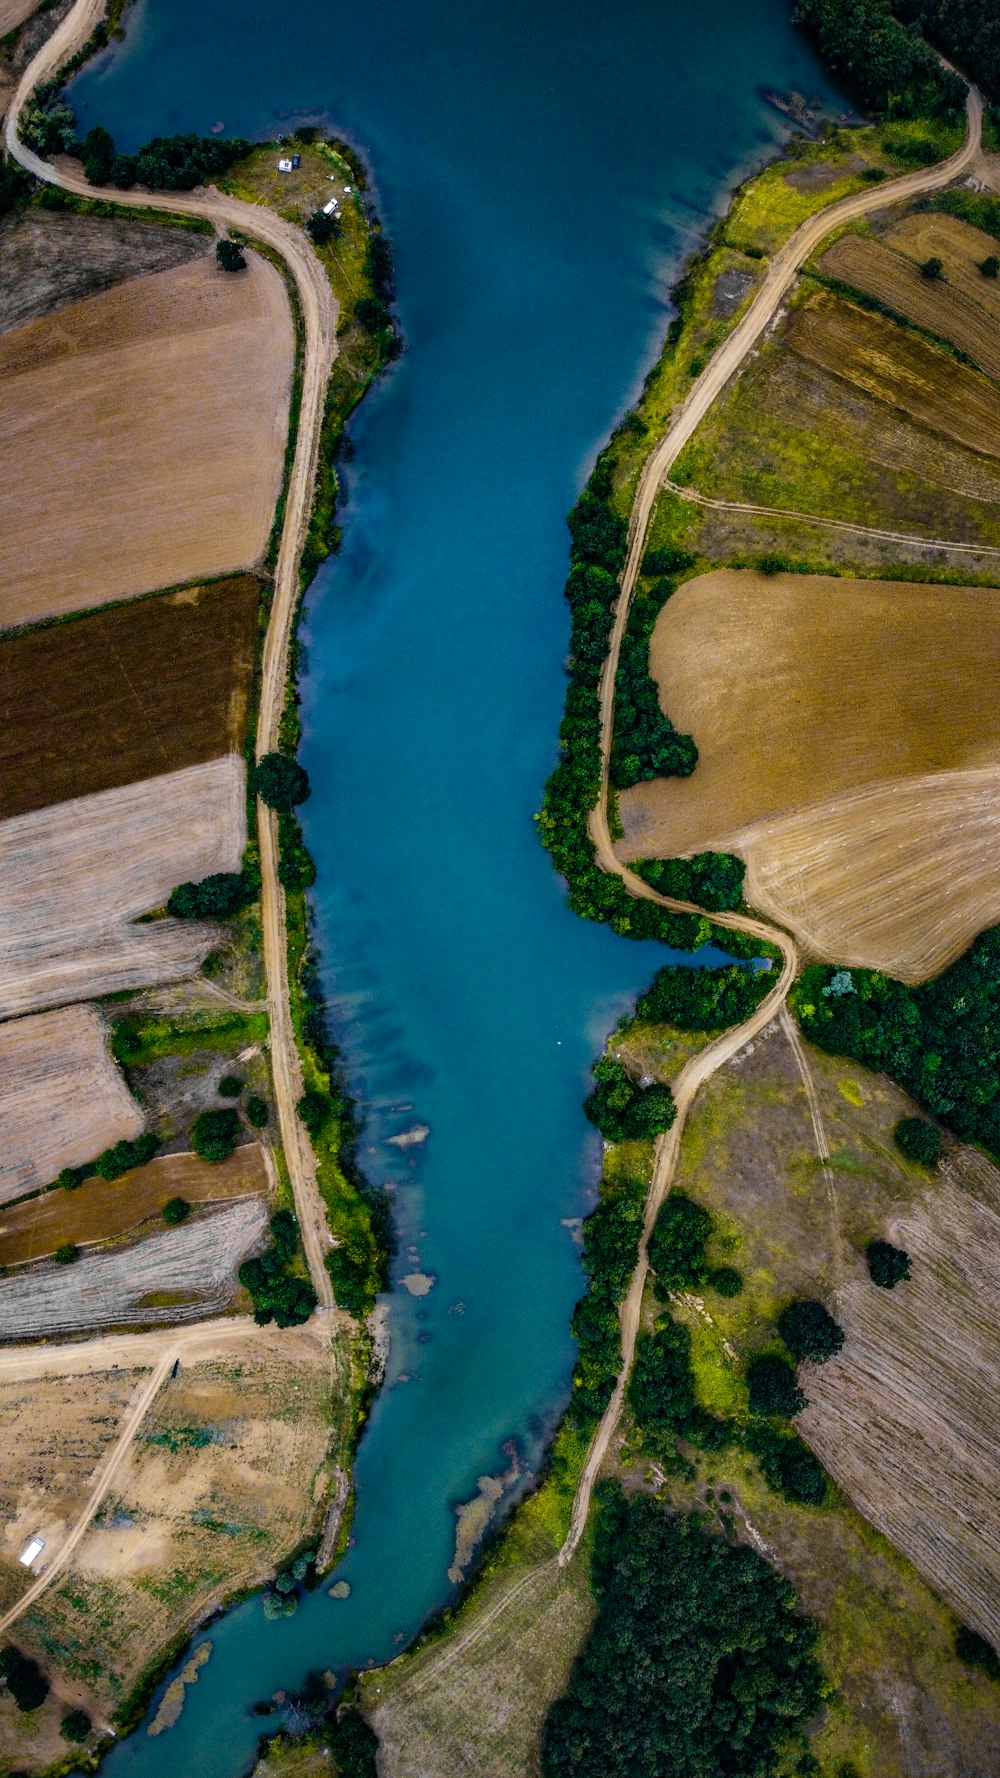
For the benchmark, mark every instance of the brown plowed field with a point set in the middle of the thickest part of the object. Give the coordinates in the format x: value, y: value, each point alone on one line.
x: 898, y: 368
x: 907, y: 1416
x: 144, y: 431
x: 801, y: 689
x: 48, y: 260
x: 102, y: 1209
x: 125, y: 694
x: 935, y: 305
x: 61, y: 1100
x: 74, y: 878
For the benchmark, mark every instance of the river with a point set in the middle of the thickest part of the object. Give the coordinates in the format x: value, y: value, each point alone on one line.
x: 542, y: 171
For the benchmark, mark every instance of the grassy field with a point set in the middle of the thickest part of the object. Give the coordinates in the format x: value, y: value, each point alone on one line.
x: 803, y: 692
x: 127, y: 693
x: 941, y: 306
x: 104, y: 1209
x: 183, y: 418
x: 74, y: 878
x: 48, y: 261
x: 63, y: 1098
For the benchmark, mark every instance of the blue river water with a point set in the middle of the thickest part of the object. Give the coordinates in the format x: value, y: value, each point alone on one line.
x: 543, y: 171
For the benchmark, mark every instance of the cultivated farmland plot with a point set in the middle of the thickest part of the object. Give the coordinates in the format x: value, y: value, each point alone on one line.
x: 62, y: 1099
x: 150, y: 460
x: 181, y: 1275
x: 961, y: 313
x: 74, y: 877
x: 48, y: 261
x: 907, y: 1416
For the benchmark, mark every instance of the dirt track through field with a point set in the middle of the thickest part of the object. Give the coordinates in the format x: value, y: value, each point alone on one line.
x: 319, y: 322
x: 810, y: 518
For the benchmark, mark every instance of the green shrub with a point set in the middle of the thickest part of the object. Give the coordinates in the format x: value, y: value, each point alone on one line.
x: 726, y: 1280
x: 772, y: 1388
x: 990, y: 266
x: 644, y: 742
x: 809, y: 1330
x: 123, y: 1156
x: 296, y: 869
x: 703, y: 999
x: 231, y: 1086
x: 278, y: 1294
x: 67, y: 1254
x: 280, y: 782
x: 787, y: 1464
x: 315, y: 1109
x: 175, y: 1210
x: 610, y: 1250
x: 321, y: 228
x: 667, y: 561
x: 354, y: 1744
x: 25, y: 1680
x: 256, y: 1111
x: 372, y: 314
x: 975, y: 1651
x: 712, y: 880
x: 217, y: 897
x: 75, y: 1726
x: 932, y: 268
x: 887, y: 1265
x: 661, y: 1393
x: 97, y: 151
x: 623, y: 1110
x: 214, y: 1134
x: 677, y: 1244
x: 918, y: 1140
x: 179, y: 163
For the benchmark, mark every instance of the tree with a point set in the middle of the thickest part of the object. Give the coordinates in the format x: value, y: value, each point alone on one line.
x: 322, y: 228
x: 918, y: 1140
x: 75, y: 1726
x: 230, y: 256
x: 371, y: 313
x: 932, y: 268
x: 122, y: 1156
x: 124, y: 170
x: 624, y: 1110
x: 67, y: 1254
x: 809, y: 1330
x: 256, y: 1111
x: 677, y: 1244
x: 98, y: 155
x: 975, y: 1651
x: 217, y: 897
x: 231, y: 1086
x: 175, y: 1210
x: 887, y: 1265
x: 990, y: 266
x: 726, y: 1280
x: 25, y: 1680
x: 315, y: 1108
x: 772, y: 1387
x: 214, y: 1134
x: 280, y: 781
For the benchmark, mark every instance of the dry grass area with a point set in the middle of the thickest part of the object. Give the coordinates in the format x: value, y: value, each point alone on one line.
x: 48, y: 260
x: 228, y: 1475
x: 104, y: 1209
x: 63, y: 1099
x: 903, y: 1707
x: 933, y: 235
x: 823, y: 710
x: 182, y: 419
x: 183, y: 1274
x: 948, y: 309
x: 74, y: 878
x: 127, y: 693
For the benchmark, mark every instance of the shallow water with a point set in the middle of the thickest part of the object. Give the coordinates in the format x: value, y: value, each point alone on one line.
x: 542, y: 172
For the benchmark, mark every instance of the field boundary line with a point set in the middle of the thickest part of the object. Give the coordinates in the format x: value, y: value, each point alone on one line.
x: 811, y: 518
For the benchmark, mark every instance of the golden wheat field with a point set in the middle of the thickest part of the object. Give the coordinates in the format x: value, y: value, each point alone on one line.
x: 74, y: 878
x: 62, y: 1099
x: 940, y: 307
x: 812, y: 699
x: 929, y: 234
x: 144, y: 430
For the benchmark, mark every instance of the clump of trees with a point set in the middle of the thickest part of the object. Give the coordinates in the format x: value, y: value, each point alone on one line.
x: 703, y: 999
x: 892, y: 69
x: 645, y: 743
x: 256, y: 1111
x: 734, y: 1682
x: 217, y: 897
x: 166, y: 163
x: 990, y: 266
x: 887, y: 1265
x: 230, y: 256
x: 787, y: 1464
x: 215, y: 1133
x: 624, y: 1110
x: 810, y: 1331
x: 975, y: 1651
x: 279, y: 1293
x: 610, y: 1249
x: 296, y: 869
x: 931, y: 269
x: 918, y: 1140
x: 677, y: 1244
x: 712, y: 880
x: 661, y: 1393
x: 23, y: 1678
x: 112, y: 1162
x: 771, y: 1387
x: 280, y: 782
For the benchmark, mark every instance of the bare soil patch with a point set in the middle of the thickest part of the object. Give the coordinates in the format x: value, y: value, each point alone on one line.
x: 803, y: 692
x: 104, y: 1209
x: 183, y: 1274
x: 63, y: 1098
x: 229, y: 1473
x: 125, y: 694
x: 180, y: 419
x: 74, y: 877
x: 935, y: 305
x: 48, y: 260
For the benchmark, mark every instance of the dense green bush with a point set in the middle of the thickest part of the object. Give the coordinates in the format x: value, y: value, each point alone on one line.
x: 809, y: 1330
x: 697, y: 1666
x: 887, y: 1265
x: 24, y: 1678
x: 704, y: 999
x: 123, y: 1156
x: 624, y: 1110
x: 217, y: 897
x: 975, y: 1651
x: 179, y: 163
x: 354, y: 1744
x: 97, y: 152
x: 215, y: 1133
x: 726, y: 1280
x: 67, y: 1254
x: 278, y: 1293
x: 772, y: 1388
x: 230, y: 256
x: 712, y: 880
x: 644, y: 743
x: 322, y: 228
x: 256, y: 1111
x: 75, y: 1726
x: 610, y: 1250
x: 787, y: 1464
x: 175, y: 1210
x: 918, y: 1140
x: 315, y: 1109
x: 667, y: 561
x: 231, y: 1086
x: 280, y: 781
x: 661, y: 1393
x: 296, y: 869
x: 677, y: 1244
x: 941, y: 1040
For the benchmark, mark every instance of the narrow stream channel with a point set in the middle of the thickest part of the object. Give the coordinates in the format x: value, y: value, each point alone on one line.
x: 542, y: 171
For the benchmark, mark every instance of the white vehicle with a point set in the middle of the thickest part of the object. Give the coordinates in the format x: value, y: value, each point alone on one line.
x: 284, y: 166
x: 330, y: 209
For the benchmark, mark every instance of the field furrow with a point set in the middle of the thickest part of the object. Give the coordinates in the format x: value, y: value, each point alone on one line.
x: 62, y: 1099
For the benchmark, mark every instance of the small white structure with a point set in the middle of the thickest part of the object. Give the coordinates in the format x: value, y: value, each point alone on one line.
x: 330, y: 209
x: 284, y: 166
x: 31, y: 1550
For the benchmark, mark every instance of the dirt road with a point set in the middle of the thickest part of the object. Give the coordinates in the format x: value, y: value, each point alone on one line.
x: 709, y: 385
x: 319, y: 320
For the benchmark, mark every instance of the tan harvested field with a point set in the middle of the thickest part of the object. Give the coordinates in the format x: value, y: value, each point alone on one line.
x: 929, y: 235
x: 62, y: 1099
x: 181, y: 420
x: 228, y: 1474
x: 182, y: 1274
x: 824, y: 709
x: 48, y: 260
x: 127, y: 693
x: 74, y: 878
x: 103, y: 1209
x: 12, y: 12
x: 907, y: 1416
x: 941, y: 307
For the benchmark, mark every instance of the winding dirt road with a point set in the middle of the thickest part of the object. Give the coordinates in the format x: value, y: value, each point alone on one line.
x: 319, y: 321
x: 780, y: 275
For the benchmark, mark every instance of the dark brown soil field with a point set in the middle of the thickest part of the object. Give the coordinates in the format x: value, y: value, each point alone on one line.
x: 126, y: 693
x: 47, y: 261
